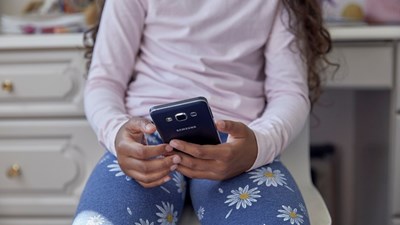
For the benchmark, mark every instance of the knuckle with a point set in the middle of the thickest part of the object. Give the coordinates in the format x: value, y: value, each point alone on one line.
x: 121, y: 145
x: 123, y: 164
x: 199, y: 153
x: 192, y: 164
x: 140, y: 152
x: 239, y: 124
x: 228, y: 154
x: 143, y: 168
x: 132, y: 124
x: 189, y: 163
x: 167, y: 163
x: 222, y: 168
x: 137, y: 123
x: 230, y: 125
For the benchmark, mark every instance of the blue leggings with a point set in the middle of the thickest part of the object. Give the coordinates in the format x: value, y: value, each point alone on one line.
x: 264, y: 196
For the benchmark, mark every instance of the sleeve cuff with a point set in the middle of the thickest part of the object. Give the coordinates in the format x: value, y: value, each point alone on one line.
x: 112, y: 134
x: 265, y: 153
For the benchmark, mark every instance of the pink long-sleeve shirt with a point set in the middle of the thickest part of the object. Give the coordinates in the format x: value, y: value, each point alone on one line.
x: 238, y: 54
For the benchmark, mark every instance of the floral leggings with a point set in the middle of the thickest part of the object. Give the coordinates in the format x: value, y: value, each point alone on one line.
x: 264, y: 196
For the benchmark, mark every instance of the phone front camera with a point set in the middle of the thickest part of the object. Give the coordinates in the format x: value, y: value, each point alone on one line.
x: 181, y: 117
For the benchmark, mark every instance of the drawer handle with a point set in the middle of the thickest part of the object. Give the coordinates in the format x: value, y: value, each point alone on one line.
x: 14, y: 171
x: 7, y: 86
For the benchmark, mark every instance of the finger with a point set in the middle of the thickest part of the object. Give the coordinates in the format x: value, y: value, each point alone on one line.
x: 151, y: 166
x: 196, y: 174
x: 140, y: 151
x: 197, y: 151
x: 148, y: 178
x: 155, y: 183
x: 141, y: 125
x: 235, y: 129
x: 135, y: 128
x: 195, y: 163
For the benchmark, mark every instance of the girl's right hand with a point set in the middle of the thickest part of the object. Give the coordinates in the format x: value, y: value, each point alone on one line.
x: 140, y: 161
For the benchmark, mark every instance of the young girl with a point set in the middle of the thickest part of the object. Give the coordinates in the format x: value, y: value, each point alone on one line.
x: 257, y: 63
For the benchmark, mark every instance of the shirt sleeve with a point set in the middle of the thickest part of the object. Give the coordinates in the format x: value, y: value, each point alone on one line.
x: 286, y: 91
x: 112, y: 66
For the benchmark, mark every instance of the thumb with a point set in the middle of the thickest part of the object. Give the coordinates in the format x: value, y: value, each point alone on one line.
x: 142, y: 125
x: 234, y: 129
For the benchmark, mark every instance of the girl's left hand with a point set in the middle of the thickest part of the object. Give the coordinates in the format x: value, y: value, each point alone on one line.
x: 219, y: 162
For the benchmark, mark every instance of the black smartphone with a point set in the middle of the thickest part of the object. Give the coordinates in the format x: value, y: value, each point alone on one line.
x: 190, y: 120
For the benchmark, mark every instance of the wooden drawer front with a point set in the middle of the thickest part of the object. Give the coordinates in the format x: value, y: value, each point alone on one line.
x: 363, y: 66
x: 43, y: 164
x: 41, y: 83
x: 55, y: 159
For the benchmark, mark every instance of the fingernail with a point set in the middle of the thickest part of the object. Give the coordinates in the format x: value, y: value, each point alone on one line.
x: 176, y: 159
x: 173, y: 168
x: 174, y: 144
x: 167, y: 179
x: 168, y: 148
x: 149, y: 126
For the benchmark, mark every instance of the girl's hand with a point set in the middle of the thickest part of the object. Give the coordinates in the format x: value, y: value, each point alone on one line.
x: 219, y: 162
x: 141, y: 161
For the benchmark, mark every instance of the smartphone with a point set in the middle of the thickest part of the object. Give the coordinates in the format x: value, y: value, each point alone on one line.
x: 190, y: 120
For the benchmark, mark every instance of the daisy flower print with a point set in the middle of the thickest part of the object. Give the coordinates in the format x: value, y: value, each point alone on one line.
x: 144, y: 222
x: 200, y: 213
x: 95, y: 220
x: 180, y: 183
x: 303, y: 209
x: 268, y: 177
x: 290, y: 215
x: 116, y: 168
x: 167, y: 215
x: 243, y: 197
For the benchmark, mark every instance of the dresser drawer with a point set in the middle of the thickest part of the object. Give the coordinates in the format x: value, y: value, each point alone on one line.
x: 41, y: 83
x: 363, y: 65
x: 44, y: 165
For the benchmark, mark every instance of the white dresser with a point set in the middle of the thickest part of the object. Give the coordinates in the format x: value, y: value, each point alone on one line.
x: 47, y: 149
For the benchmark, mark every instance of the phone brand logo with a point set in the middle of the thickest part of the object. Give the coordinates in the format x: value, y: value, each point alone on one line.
x: 186, y: 128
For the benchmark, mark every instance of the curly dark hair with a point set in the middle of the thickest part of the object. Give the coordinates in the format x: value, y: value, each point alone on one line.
x: 305, y: 22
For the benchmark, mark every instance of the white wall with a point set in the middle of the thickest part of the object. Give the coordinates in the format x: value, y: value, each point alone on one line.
x: 357, y: 123
x: 335, y: 112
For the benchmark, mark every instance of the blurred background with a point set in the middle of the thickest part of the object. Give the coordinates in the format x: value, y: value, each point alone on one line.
x: 355, y: 126
x: 49, y: 16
